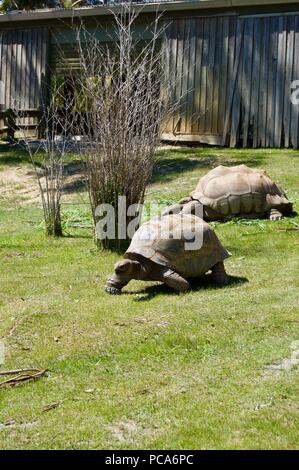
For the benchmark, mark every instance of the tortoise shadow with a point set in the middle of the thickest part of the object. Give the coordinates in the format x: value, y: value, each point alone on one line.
x: 205, y: 283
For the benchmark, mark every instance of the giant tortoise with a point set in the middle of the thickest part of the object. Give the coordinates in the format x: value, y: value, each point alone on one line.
x: 171, y: 249
x: 237, y: 191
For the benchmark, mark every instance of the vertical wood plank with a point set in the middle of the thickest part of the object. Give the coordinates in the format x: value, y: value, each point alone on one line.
x: 19, y: 72
x: 4, y: 66
x: 8, y: 69
x: 45, y: 69
x: 13, y: 90
x: 28, y: 71
x: 38, y: 68
x: 235, y: 91
x: 264, y: 80
x: 224, y: 72
x: 191, y: 77
x: 166, y: 44
x: 33, y: 76
x: 210, y: 76
x: 198, y: 70
x: 179, y: 81
x: 186, y: 92
x: 1, y: 67
x: 216, y: 75
x: 203, y: 91
x: 288, y: 80
x: 248, y: 61
x: 23, y: 67
x: 173, y: 33
x: 295, y: 107
x: 232, y: 43
x: 280, y: 82
x: 256, y: 79
x: 2, y: 61
x: 271, y: 84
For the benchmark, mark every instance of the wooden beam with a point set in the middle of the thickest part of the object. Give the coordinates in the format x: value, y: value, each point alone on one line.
x: 208, y: 139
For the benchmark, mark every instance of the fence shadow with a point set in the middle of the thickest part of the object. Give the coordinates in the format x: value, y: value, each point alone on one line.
x: 178, y: 161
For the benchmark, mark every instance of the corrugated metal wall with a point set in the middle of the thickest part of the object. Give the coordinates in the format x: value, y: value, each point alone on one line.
x: 236, y: 75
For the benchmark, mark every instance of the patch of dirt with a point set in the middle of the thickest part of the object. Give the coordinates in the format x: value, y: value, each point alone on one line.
x: 123, y: 431
x: 286, y: 364
x: 20, y: 183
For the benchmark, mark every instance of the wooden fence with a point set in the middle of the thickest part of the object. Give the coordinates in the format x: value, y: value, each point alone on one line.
x: 12, y: 122
x: 234, y: 73
x: 23, y: 70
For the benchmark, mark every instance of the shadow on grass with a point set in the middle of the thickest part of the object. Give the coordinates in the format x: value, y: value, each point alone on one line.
x: 76, y: 169
x: 12, y: 154
x: 168, y: 168
x: 15, y: 154
x: 74, y: 236
x: 205, y: 283
x: 75, y: 186
x: 174, y: 162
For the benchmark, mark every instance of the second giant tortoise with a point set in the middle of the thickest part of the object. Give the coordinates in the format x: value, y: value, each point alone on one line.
x: 235, y: 191
x: 171, y: 249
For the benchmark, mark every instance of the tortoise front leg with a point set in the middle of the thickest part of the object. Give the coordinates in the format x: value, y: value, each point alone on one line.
x: 175, y: 281
x: 115, y: 284
x: 219, y: 274
x: 174, y: 209
x: 275, y: 214
x: 193, y: 207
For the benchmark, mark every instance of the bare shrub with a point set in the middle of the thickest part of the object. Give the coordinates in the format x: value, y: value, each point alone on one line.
x: 48, y: 155
x: 125, y: 97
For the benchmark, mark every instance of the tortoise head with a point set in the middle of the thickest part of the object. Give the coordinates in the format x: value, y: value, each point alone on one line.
x: 125, y: 270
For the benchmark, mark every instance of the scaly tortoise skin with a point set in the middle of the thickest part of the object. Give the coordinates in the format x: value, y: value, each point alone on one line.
x: 158, y: 252
x: 237, y: 191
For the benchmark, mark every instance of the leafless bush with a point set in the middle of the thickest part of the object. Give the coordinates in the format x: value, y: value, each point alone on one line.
x: 48, y: 156
x: 125, y: 97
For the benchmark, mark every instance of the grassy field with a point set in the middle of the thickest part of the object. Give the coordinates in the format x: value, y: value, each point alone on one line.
x: 150, y: 369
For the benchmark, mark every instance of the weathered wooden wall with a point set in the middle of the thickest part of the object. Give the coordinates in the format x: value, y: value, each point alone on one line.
x: 236, y: 75
x: 23, y: 67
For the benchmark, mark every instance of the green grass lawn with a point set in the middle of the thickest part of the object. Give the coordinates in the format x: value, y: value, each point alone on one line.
x: 151, y: 369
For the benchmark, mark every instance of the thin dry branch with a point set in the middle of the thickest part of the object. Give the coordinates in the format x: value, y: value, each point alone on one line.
x: 17, y: 323
x: 18, y: 371
x: 23, y: 378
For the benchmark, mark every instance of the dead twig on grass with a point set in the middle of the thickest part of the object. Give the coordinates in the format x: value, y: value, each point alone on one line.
x: 17, y: 371
x: 15, y: 325
x: 52, y: 406
x: 23, y: 378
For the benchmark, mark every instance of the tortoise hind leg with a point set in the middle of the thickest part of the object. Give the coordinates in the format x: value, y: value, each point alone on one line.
x: 275, y: 214
x: 175, y: 281
x: 219, y: 274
